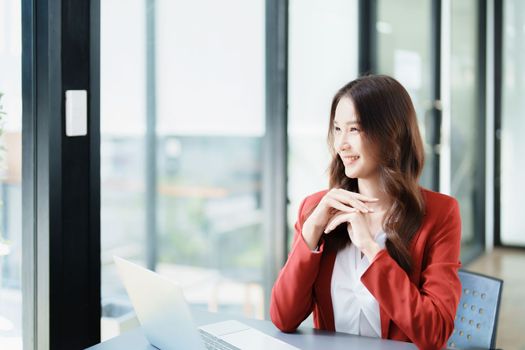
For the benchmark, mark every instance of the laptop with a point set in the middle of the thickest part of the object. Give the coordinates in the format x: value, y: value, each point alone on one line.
x: 167, y: 322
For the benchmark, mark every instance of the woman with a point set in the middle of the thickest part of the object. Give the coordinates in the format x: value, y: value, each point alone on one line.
x: 375, y: 255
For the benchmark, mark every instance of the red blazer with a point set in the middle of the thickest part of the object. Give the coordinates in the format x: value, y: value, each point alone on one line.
x: 419, y: 307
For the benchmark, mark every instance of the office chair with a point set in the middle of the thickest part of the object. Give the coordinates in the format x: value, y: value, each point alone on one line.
x: 476, y: 319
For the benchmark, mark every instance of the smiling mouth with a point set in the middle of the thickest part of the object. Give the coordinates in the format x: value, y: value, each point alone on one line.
x: 350, y: 158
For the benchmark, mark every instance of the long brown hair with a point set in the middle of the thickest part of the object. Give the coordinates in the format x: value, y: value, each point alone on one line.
x: 388, y: 121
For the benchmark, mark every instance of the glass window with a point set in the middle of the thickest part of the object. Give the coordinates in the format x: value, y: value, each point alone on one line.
x: 209, y: 113
x: 10, y: 176
x: 404, y: 53
x: 466, y: 135
x: 122, y: 105
x: 323, y: 54
x: 512, y: 123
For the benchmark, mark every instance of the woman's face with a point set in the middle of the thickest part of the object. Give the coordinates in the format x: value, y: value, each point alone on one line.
x: 349, y: 142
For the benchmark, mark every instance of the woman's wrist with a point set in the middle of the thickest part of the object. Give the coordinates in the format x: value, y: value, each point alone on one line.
x: 311, y: 235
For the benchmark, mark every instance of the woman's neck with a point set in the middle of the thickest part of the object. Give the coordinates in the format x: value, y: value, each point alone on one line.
x: 371, y: 187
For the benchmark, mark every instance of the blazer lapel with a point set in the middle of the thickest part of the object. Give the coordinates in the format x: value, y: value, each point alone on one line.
x: 324, y: 280
x: 385, y: 323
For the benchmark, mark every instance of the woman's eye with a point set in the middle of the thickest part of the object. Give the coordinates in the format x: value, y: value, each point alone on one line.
x: 354, y: 130
x: 337, y: 129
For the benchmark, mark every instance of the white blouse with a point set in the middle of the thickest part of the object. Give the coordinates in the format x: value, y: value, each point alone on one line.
x: 356, y: 311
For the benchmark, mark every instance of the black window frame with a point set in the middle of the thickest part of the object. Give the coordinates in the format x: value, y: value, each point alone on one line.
x: 61, y: 176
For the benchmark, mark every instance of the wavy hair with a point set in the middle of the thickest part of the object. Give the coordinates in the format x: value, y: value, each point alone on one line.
x: 388, y: 121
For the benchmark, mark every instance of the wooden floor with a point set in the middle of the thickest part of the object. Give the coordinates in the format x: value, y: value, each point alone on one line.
x: 509, y: 265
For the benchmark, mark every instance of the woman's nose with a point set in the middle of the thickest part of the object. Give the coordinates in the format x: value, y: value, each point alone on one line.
x: 343, y: 144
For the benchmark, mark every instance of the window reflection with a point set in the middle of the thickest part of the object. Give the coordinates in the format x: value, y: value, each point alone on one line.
x: 466, y: 134
x: 209, y: 93
x: 323, y: 53
x: 512, y: 125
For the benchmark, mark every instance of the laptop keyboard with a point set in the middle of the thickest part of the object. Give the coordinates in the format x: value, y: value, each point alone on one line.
x: 214, y: 343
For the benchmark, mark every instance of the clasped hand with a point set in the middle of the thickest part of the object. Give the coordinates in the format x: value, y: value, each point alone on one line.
x: 339, y: 206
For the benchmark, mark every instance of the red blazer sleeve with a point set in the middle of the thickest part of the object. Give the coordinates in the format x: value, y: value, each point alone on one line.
x: 292, y: 294
x: 424, y: 313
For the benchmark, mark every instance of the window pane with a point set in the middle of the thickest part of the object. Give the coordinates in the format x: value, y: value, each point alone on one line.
x: 209, y: 93
x: 10, y: 176
x: 122, y: 152
x: 322, y: 58
x: 466, y: 133
x: 512, y: 122
x: 405, y: 54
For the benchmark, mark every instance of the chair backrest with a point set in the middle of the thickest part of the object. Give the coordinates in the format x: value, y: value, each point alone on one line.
x: 477, y: 315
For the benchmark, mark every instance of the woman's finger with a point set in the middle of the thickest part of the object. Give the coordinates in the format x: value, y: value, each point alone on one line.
x: 359, y: 196
x: 349, y: 199
x: 336, y: 221
x: 340, y: 206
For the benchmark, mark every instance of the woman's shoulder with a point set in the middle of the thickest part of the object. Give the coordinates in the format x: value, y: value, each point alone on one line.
x: 442, y: 220
x: 437, y: 203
